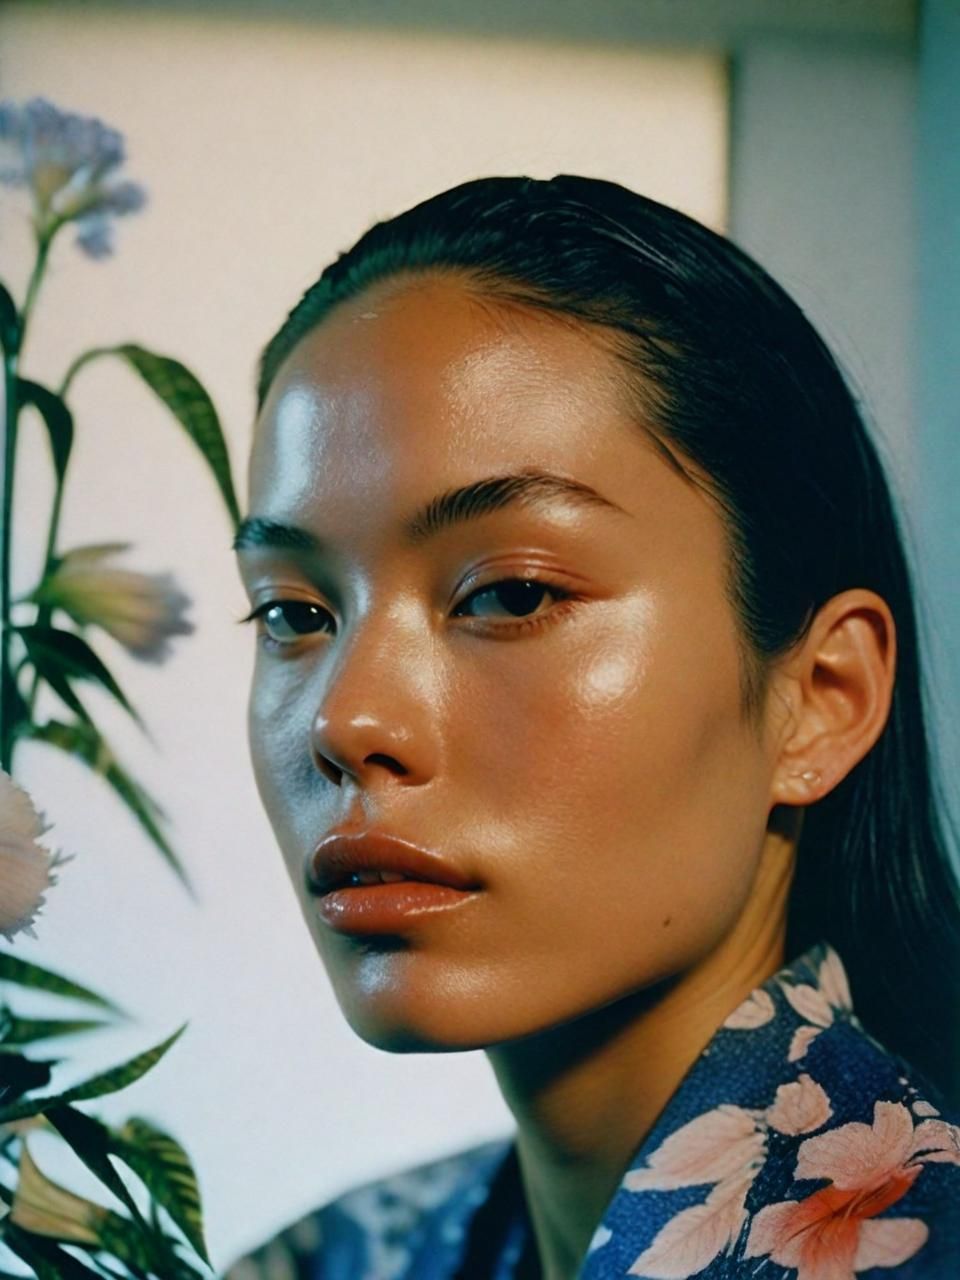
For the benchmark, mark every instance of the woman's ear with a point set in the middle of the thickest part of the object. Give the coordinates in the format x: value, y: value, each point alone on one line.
x: 837, y: 686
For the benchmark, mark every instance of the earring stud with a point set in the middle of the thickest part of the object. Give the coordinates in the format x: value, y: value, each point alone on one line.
x: 808, y: 775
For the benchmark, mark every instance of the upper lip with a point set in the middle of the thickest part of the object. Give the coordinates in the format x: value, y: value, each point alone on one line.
x: 340, y: 854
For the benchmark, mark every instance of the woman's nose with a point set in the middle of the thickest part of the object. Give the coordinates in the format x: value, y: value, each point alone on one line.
x: 377, y: 716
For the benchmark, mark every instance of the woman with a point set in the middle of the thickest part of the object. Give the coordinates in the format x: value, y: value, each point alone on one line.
x: 584, y: 622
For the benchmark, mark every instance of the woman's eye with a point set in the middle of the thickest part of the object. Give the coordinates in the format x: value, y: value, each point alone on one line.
x: 521, y: 603
x: 518, y: 597
x: 289, y: 619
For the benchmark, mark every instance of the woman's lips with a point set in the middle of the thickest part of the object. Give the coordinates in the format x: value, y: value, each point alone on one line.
x: 387, y: 908
x: 429, y: 883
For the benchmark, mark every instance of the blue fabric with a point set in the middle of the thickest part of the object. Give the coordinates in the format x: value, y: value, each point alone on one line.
x: 795, y: 1148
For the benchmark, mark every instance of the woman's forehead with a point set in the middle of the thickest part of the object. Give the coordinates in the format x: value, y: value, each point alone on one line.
x: 398, y: 396
x: 436, y: 343
x: 429, y: 378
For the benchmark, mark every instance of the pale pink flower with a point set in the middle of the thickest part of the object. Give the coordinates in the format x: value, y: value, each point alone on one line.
x: 835, y: 1232
x: 25, y: 865
x: 139, y: 610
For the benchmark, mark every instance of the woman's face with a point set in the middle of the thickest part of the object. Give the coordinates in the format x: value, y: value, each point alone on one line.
x: 574, y: 746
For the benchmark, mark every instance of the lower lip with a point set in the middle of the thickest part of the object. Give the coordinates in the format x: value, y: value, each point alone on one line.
x: 387, y: 908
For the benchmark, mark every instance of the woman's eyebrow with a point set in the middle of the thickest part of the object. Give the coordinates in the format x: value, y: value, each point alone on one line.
x: 468, y: 502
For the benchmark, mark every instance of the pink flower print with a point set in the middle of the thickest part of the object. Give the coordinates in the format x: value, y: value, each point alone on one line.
x: 713, y: 1146
x: 692, y: 1238
x: 923, y: 1108
x: 832, y: 979
x: 725, y: 1146
x: 816, y: 1004
x: 756, y: 1010
x: 833, y: 1233
x: 830, y: 1235
x: 799, y: 1107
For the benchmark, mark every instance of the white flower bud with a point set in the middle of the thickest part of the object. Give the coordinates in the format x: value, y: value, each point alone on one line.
x: 139, y: 610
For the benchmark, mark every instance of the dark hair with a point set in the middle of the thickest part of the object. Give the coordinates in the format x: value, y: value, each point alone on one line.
x: 723, y: 365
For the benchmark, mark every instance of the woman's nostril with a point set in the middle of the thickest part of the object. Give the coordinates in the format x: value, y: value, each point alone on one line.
x: 328, y: 768
x: 378, y: 757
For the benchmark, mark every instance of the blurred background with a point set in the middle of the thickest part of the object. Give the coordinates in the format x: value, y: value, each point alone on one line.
x: 821, y: 135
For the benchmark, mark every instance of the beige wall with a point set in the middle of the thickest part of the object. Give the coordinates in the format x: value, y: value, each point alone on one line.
x: 266, y: 150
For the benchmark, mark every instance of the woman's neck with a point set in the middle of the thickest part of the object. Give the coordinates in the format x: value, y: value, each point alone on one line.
x: 586, y: 1094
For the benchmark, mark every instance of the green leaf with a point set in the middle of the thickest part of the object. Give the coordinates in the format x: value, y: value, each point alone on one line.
x: 59, y: 683
x: 63, y: 653
x: 189, y: 402
x: 106, y: 1082
x: 48, y: 1260
x: 85, y: 742
x: 165, y: 1170
x: 89, y: 1139
x: 15, y: 1030
x: 25, y: 974
x: 58, y: 419
x: 126, y: 1242
x: 9, y: 322
x: 150, y: 1254
x: 19, y: 1074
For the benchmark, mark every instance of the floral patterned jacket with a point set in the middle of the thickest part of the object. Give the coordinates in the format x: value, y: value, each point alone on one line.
x: 795, y: 1148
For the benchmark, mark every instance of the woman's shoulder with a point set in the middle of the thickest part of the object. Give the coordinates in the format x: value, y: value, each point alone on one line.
x: 371, y: 1229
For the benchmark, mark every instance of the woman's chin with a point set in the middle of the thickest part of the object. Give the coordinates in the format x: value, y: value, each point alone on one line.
x: 399, y: 1028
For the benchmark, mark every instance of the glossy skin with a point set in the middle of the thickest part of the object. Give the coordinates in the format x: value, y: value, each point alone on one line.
x: 593, y: 772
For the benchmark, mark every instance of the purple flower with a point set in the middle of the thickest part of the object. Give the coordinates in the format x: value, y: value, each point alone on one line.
x: 68, y: 162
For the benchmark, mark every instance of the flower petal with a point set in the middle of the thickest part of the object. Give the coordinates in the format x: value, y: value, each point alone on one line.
x: 855, y: 1156
x: 818, y: 1235
x: 141, y: 611
x: 713, y: 1146
x: 886, y: 1242
x: 923, y: 1108
x: 832, y: 980
x: 936, y: 1140
x: 18, y: 815
x: 692, y: 1238
x: 756, y: 1010
x: 809, y: 1003
x: 26, y: 867
x: 43, y: 1207
x: 799, y: 1107
x: 802, y: 1039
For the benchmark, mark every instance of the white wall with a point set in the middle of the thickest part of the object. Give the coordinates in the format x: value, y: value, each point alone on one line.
x: 938, y: 372
x: 266, y: 150
x: 822, y: 139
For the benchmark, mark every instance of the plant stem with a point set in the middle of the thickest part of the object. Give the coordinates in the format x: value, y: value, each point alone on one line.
x: 7, y: 685
x: 43, y: 249
x: 83, y: 358
x: 44, y: 611
x: 11, y: 364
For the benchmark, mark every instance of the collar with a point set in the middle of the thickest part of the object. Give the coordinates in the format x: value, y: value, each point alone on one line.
x: 706, y: 1149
